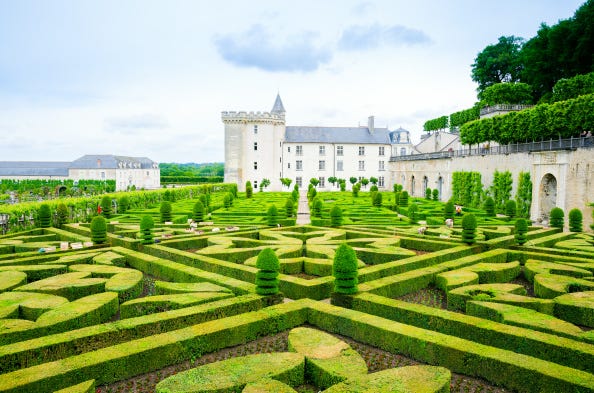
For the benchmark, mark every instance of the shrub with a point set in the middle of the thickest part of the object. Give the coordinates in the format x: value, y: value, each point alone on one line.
x: 356, y: 188
x: 344, y: 270
x: 575, y: 220
x: 377, y: 199
x: 295, y: 194
x: 403, y: 200
x: 373, y: 188
x: 146, y: 229
x: 198, y: 212
x: 521, y: 230
x: 124, y: 204
x: 45, y: 216
x: 267, y: 276
x: 248, y: 189
x: 412, y: 213
x: 99, y: 230
x: 311, y: 193
x: 469, y: 228
x: 556, y: 217
x: 510, y: 208
x: 106, y: 207
x: 428, y: 193
x: 62, y: 211
x: 272, y: 216
x: 336, y: 216
x: 289, y: 204
x: 342, y: 186
x: 233, y: 190
x: 435, y: 194
x: 489, y: 207
x: 448, y: 210
x: 227, y: 201
x: 165, y: 211
x: 318, y: 205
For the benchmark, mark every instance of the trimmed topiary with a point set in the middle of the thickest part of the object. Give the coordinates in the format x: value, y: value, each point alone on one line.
x: 268, y: 270
x: 373, y: 188
x: 448, y: 210
x: 165, y: 211
x: 146, y: 229
x: 556, y: 217
x: 412, y: 213
x: 510, y: 208
x: 318, y: 205
x: 344, y: 270
x: 198, y: 212
x: 489, y: 207
x: 295, y: 195
x: 99, y: 230
x: 435, y: 194
x: 377, y: 199
x: 106, y: 207
x: 272, y: 216
x: 469, y: 228
x: 289, y: 205
x: 62, y: 212
x: 428, y: 193
x: 575, y: 220
x: 355, y: 190
x: 124, y: 204
x: 227, y: 201
x: 336, y: 216
x: 248, y: 189
x: 403, y: 200
x: 45, y: 216
x: 521, y: 230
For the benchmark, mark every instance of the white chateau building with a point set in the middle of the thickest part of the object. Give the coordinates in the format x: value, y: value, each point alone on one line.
x: 258, y: 145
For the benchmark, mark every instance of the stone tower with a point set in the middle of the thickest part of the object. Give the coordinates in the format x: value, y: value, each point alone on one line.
x: 253, y: 146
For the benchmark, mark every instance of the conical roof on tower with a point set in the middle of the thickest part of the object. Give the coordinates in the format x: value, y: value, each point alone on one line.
x: 278, y: 106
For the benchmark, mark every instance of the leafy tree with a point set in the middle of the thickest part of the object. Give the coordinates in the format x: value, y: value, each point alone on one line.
x: 345, y: 270
x: 521, y: 228
x: 497, y: 63
x: 377, y: 199
x: 342, y: 185
x: 289, y: 205
x: 507, y: 93
x: 165, y: 211
x: 124, y: 204
x: 365, y: 182
x: 336, y: 216
x: 435, y: 194
x: 198, y: 212
x: 510, y: 208
x: 373, y: 180
x: 263, y: 184
x: 524, y: 194
x: 567, y: 88
x: 440, y: 123
x: 248, y: 189
x: 557, y: 217
x: 62, y: 212
x: 285, y: 181
x: 469, y: 228
x: 428, y: 193
x: 106, y: 207
x: 314, y: 181
x: 352, y: 180
x: 332, y: 180
x: 575, y: 220
x: 45, y: 216
x: 98, y: 230
x: 268, y: 267
x: 146, y: 229
x: 449, y: 210
x: 412, y: 213
x: 272, y: 216
x: 489, y: 207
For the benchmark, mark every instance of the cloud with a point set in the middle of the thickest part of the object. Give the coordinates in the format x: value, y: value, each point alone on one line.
x: 372, y: 36
x: 362, y: 8
x: 135, y: 123
x: 257, y: 48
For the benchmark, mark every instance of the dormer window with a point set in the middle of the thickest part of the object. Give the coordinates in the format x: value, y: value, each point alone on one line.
x: 255, y: 130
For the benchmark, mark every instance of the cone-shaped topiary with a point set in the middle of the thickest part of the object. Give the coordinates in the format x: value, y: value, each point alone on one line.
x: 403, y: 201
x: 344, y: 270
x: 377, y: 199
x: 248, y: 189
x: 62, y: 211
x: 198, y: 212
x: 510, y: 208
x: 165, y: 211
x: 272, y: 216
x: 489, y: 207
x: 318, y: 205
x: 124, y: 204
x: 521, y: 230
x: 556, y: 217
x: 575, y: 220
x: 355, y: 190
x: 295, y: 195
x: 469, y: 228
x: 98, y: 230
x: 45, y: 216
x: 448, y: 210
x: 146, y: 229
x: 412, y: 213
x: 289, y: 205
x: 435, y: 194
x: 336, y: 216
x: 106, y: 207
x: 267, y: 275
x: 428, y: 193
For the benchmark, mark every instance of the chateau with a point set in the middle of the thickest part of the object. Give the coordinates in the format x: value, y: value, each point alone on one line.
x: 258, y: 145
x: 140, y: 172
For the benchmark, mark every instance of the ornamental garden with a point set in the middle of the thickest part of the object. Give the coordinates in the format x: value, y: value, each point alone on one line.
x: 204, y: 289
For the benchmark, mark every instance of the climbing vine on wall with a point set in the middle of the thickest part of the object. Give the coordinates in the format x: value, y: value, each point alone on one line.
x: 501, y: 189
x: 524, y: 195
x: 467, y: 188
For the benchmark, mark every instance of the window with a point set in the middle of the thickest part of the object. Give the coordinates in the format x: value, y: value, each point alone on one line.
x: 381, y: 150
x: 380, y: 181
x: 322, y: 150
x: 255, y: 165
x: 255, y: 146
x: 102, y: 175
x: 361, y: 165
x: 322, y: 165
x: 339, y: 150
x: 288, y: 165
x: 381, y: 166
x: 361, y: 150
x: 402, y: 151
x: 255, y: 130
x: 299, y: 150
x: 298, y: 165
x: 288, y: 149
x: 339, y: 166
x: 256, y: 184
x: 298, y: 181
x: 322, y: 182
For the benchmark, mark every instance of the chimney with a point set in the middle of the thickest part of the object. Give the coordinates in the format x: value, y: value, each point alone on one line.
x: 370, y: 124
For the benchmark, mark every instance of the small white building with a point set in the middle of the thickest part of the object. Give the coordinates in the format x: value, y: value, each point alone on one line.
x: 258, y: 145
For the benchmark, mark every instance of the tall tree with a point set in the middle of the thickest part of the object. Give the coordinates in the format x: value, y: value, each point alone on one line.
x: 498, y: 63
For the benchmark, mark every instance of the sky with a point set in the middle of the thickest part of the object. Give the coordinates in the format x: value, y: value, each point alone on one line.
x: 151, y: 78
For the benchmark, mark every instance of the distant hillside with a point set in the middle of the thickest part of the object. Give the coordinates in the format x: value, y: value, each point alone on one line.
x: 192, y: 172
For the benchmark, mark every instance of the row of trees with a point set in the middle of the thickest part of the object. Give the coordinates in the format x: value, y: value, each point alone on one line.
x: 46, y: 188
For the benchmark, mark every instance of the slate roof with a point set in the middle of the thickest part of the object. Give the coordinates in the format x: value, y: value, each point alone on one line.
x: 278, y: 106
x: 337, y: 135
x: 109, y: 161
x: 34, y: 168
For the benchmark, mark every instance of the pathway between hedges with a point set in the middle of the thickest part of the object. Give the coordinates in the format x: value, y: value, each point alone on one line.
x: 303, y: 209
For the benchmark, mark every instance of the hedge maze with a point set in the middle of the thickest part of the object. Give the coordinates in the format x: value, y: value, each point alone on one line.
x: 181, y: 312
